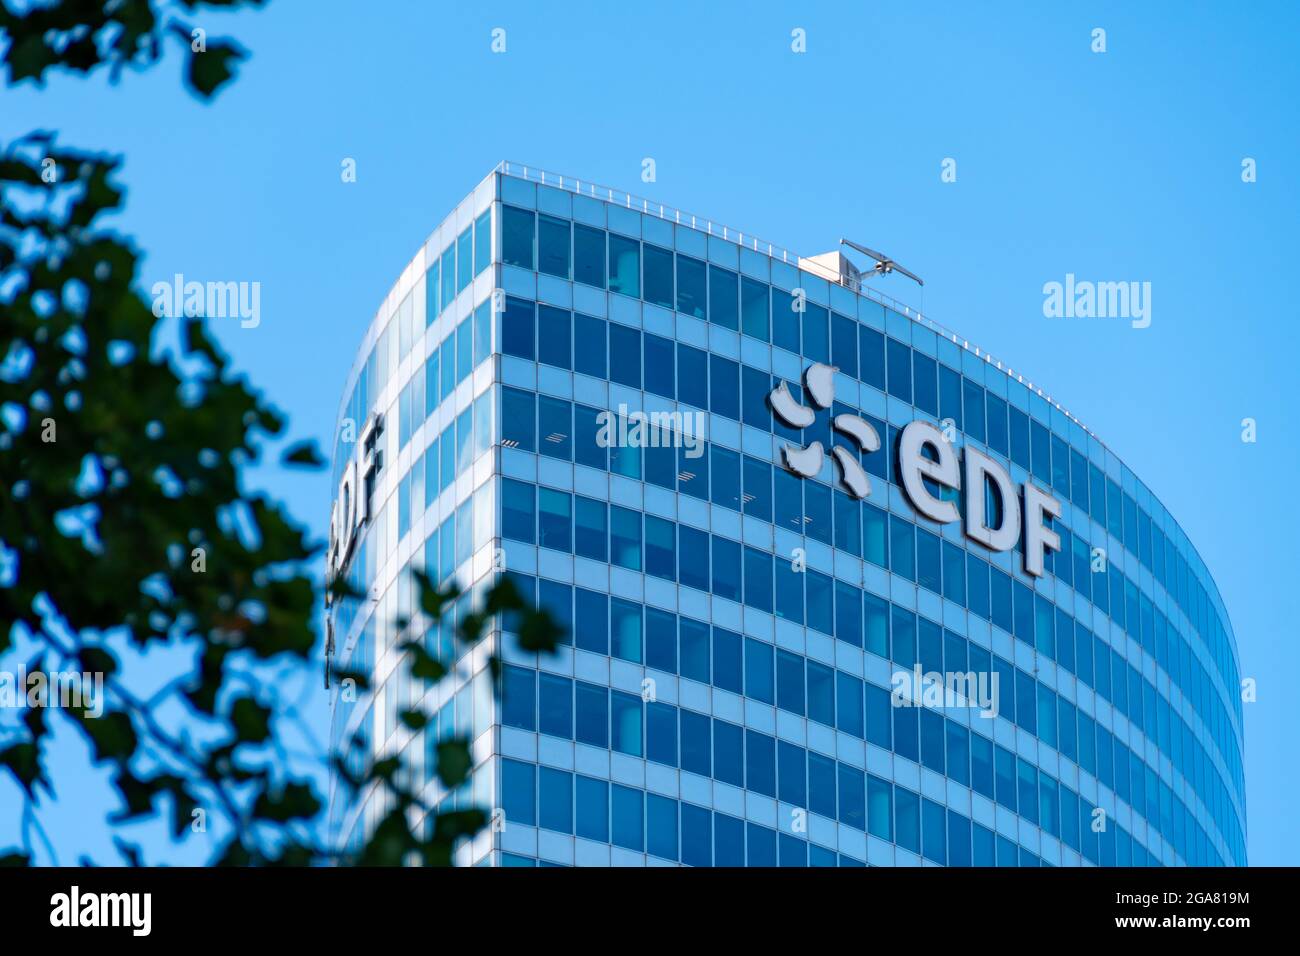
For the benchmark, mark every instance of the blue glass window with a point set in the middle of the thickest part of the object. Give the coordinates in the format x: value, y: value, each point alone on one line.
x: 555, y: 426
x: 625, y: 630
x: 726, y: 568
x: 724, y: 307
x: 691, y: 286
x: 516, y: 330
x: 658, y: 276
x: 844, y: 344
x: 697, y: 836
x: 661, y: 733
x: 587, y: 446
x: 482, y: 242
x: 554, y: 339
x: 518, y: 511
x: 899, y: 359
x: 588, y: 255
x: 517, y: 426
x: 625, y: 537
x: 816, y: 333
x: 754, y: 308
x: 789, y: 591
x: 516, y: 237
x: 785, y: 321
x: 624, y: 265
x: 757, y: 488
x: 728, y: 753
x: 555, y: 705
x: 727, y: 655
x: 659, y: 365
x: 660, y: 547
x: 589, y: 345
x: 593, y: 714
x: 590, y: 533
x: 518, y: 697
x: 555, y: 799
x: 760, y: 677
x: 553, y: 246
x: 694, y: 642
x: 661, y: 826
x: 592, y: 621
x: 758, y: 579
x: 625, y: 712
x: 760, y: 763
x: 593, y: 809
x: 692, y: 376
x: 724, y: 387
x: 693, y: 557
x: 792, y: 773
x: 925, y: 385
x: 853, y: 797
x: 695, y: 736
x: 821, y: 694
x: 518, y: 796
x: 624, y: 355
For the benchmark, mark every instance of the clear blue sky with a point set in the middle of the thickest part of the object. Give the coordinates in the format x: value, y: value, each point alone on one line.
x: 1117, y: 166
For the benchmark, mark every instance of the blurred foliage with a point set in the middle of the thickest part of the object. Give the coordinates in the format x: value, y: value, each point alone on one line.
x: 125, y: 519
x: 85, y: 35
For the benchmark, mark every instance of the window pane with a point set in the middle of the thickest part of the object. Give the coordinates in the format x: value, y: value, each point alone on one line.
x: 691, y: 286
x: 624, y: 355
x: 692, y: 376
x: 482, y: 242
x: 754, y: 308
x: 658, y: 276
x: 554, y: 346
x: 588, y: 255
x: 659, y: 365
x: 518, y: 510
x: 724, y: 308
x: 555, y: 519
x: 516, y: 238
x: 624, y: 265
x: 590, y: 533
x: 555, y: 425
x: 517, y: 410
x: 516, y: 329
x: 553, y: 246
x: 589, y: 345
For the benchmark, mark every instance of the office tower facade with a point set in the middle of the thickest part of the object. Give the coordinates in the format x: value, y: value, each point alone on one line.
x: 742, y: 480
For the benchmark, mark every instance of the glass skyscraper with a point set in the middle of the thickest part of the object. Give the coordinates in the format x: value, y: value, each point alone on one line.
x: 577, y: 387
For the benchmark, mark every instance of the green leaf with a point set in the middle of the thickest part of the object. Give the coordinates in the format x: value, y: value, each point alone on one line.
x: 23, y: 761
x: 454, y: 762
x: 304, y: 453
x: 539, y: 632
x: 111, y: 735
x: 97, y: 660
x: 415, y: 719
x: 294, y: 801
x: 252, y: 721
x: 434, y: 601
x: 213, y: 68
x: 424, y: 666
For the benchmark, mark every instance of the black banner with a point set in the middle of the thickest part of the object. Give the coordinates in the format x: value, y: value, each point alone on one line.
x: 340, y: 905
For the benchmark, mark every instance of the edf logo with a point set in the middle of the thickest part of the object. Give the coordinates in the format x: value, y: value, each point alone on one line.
x: 819, y: 382
x: 976, y: 477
